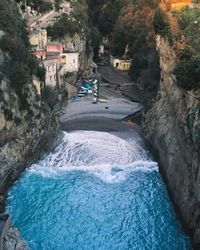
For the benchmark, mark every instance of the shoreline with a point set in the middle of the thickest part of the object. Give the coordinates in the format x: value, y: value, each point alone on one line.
x: 47, y: 142
x: 104, y: 120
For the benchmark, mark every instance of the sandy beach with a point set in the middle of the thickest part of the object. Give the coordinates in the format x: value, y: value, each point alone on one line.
x: 104, y: 116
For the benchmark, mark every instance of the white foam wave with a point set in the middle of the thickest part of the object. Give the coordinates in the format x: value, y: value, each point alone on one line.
x: 107, y: 173
x: 105, y: 155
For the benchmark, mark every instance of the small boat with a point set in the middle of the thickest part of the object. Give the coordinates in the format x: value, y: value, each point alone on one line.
x: 81, y: 95
x: 103, y: 100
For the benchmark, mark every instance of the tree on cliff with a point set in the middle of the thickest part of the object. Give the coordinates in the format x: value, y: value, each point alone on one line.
x: 161, y: 25
x: 187, y: 73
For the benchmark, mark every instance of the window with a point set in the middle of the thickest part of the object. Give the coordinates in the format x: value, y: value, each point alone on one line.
x: 50, y: 78
x: 74, y: 61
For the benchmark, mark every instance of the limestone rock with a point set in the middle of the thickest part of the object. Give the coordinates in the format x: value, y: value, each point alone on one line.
x: 13, y: 241
x: 172, y: 127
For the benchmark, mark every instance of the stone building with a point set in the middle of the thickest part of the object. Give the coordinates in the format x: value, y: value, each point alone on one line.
x: 70, y: 61
x: 120, y: 64
x: 51, y: 66
x: 38, y: 39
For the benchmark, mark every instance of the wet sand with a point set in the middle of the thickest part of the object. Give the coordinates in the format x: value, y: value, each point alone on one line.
x: 104, y: 116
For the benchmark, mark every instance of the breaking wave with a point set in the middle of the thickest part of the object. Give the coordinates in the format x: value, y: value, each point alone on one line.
x: 105, y: 155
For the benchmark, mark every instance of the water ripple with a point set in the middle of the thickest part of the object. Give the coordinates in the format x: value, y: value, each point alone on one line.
x: 95, y: 191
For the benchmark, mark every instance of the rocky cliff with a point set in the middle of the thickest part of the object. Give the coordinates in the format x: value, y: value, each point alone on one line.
x: 25, y: 116
x: 172, y: 128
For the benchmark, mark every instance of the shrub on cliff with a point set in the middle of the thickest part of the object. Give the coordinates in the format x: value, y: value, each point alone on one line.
x: 95, y: 38
x: 63, y: 26
x: 57, y: 4
x: 185, y: 54
x: 41, y: 73
x: 188, y: 73
x: 39, y: 5
x: 190, y: 26
x: 122, y: 36
x: 139, y: 63
x: 161, y: 25
x: 50, y: 96
x: 105, y: 14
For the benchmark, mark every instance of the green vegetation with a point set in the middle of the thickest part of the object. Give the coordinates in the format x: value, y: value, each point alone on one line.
x: 65, y: 25
x: 50, y: 96
x: 95, y: 37
x: 41, y: 73
x: 161, y: 25
x: 190, y: 27
x: 57, y: 4
x: 122, y: 36
x: 70, y: 24
x: 39, y: 5
x: 128, y: 26
x: 19, y: 64
x: 187, y: 70
x: 104, y: 14
x: 187, y: 73
x: 185, y: 54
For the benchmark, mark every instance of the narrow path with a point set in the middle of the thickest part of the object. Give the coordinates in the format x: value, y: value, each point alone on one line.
x: 43, y: 21
x: 121, y: 82
x: 113, y: 76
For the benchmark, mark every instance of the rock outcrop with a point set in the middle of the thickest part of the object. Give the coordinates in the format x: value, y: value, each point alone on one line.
x: 13, y: 241
x: 25, y: 117
x: 172, y: 128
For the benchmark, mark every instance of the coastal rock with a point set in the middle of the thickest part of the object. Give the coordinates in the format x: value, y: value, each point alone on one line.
x: 13, y: 241
x: 172, y: 128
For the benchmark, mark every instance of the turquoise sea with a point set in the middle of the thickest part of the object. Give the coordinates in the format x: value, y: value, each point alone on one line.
x: 96, y: 190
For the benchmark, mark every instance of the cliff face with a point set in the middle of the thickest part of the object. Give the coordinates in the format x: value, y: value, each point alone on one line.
x: 19, y: 129
x: 172, y: 128
x: 24, y: 115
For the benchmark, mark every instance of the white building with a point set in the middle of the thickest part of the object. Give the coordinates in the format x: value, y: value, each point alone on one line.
x: 58, y: 66
x: 70, y: 61
x: 120, y: 64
